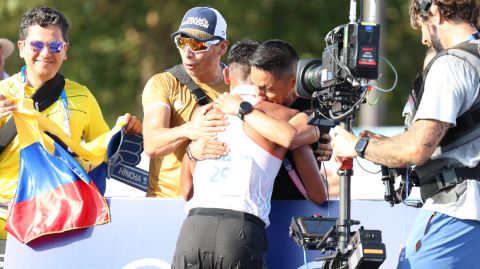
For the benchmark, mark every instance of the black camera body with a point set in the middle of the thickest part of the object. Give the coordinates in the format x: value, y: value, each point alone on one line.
x: 339, y: 81
x: 350, y: 61
x: 356, y: 45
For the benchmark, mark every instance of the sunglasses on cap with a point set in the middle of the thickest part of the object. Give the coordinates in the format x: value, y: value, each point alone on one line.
x: 195, y: 45
x: 38, y: 46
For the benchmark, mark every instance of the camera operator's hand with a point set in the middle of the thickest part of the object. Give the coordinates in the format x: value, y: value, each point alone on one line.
x: 227, y: 103
x: 369, y: 134
x: 343, y: 145
x: 325, y: 150
x: 205, y: 148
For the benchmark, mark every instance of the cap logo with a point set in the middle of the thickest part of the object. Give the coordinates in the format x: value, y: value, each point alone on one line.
x: 197, y: 21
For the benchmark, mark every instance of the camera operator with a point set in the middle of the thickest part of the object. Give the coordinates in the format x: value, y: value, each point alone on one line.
x: 447, y: 231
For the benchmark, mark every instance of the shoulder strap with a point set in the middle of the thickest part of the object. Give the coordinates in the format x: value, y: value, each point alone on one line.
x: 468, y: 124
x: 178, y: 71
x: 45, y: 96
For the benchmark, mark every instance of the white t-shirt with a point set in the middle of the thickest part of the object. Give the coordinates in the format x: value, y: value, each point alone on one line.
x: 451, y: 88
x: 5, y: 75
x: 242, y: 180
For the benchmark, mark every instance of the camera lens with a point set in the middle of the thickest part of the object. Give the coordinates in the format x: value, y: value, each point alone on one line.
x: 309, y: 75
x: 315, y: 76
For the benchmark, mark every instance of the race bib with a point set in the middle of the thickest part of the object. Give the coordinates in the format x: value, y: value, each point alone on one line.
x: 227, y: 176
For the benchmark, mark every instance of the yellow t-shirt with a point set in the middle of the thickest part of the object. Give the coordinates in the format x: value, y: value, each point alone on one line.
x: 164, y: 89
x: 85, y: 121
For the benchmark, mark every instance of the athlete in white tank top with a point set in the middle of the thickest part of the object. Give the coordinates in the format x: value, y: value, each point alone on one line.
x: 242, y: 180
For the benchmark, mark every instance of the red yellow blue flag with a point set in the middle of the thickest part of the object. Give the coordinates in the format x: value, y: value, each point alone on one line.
x: 56, y: 190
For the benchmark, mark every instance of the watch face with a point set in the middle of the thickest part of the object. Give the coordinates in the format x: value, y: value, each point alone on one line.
x: 246, y: 106
x: 360, y: 145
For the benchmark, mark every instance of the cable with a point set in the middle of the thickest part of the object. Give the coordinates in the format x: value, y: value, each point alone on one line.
x: 328, y: 190
x: 366, y: 169
x: 324, y: 169
x: 396, y: 78
x: 378, y: 96
x: 305, y: 258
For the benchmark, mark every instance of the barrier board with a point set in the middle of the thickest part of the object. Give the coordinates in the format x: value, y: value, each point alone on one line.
x: 143, y: 233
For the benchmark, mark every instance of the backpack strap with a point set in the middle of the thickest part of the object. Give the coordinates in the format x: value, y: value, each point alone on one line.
x: 43, y: 97
x: 178, y: 71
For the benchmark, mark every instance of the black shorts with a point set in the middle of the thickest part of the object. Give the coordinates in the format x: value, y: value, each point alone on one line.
x: 213, y: 238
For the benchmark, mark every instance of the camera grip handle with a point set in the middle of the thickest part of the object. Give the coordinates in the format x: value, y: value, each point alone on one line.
x: 347, y: 164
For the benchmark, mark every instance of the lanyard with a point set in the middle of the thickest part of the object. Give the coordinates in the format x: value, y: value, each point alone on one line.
x: 66, y: 114
x: 294, y: 177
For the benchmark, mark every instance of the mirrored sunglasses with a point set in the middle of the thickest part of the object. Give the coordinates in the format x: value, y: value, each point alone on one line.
x: 195, y: 45
x: 38, y: 46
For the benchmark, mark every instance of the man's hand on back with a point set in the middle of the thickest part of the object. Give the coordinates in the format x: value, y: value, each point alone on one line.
x: 228, y: 103
x: 205, y: 148
x: 204, y: 125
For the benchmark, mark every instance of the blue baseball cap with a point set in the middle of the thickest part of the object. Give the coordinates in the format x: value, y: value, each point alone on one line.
x: 203, y: 24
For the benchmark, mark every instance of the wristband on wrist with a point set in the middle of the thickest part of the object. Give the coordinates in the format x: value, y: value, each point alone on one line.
x: 189, y: 154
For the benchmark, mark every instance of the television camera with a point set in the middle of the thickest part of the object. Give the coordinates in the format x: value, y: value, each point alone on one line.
x: 340, y: 81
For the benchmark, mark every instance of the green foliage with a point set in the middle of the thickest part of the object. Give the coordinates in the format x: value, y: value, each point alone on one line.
x: 116, y: 46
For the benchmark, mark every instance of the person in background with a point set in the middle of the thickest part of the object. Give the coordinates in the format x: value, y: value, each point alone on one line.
x: 43, y: 44
x: 6, y: 48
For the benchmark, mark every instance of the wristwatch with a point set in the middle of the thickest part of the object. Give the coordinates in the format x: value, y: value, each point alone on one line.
x: 361, y: 146
x: 245, y: 108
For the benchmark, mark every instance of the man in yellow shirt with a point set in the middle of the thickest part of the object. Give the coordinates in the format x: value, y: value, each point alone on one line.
x: 43, y: 45
x: 168, y: 105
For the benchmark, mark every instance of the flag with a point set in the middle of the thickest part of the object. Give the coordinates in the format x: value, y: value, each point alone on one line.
x: 56, y: 190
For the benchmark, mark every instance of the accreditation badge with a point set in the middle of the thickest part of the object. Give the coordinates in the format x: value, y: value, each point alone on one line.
x: 227, y: 176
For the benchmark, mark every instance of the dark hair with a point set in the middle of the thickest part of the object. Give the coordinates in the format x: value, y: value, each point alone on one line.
x: 277, y: 57
x: 240, y: 53
x: 43, y: 16
x: 453, y: 10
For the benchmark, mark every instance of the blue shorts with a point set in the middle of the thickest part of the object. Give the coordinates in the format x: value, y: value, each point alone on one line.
x: 447, y: 242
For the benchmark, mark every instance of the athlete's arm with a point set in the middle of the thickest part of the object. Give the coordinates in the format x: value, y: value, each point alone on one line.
x: 308, y: 169
x: 291, y: 134
x: 161, y: 140
x: 186, y: 178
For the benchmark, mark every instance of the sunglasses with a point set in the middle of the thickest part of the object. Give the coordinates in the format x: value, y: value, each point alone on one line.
x: 195, y: 45
x: 38, y: 46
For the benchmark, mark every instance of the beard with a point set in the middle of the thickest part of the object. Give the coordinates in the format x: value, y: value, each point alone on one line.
x: 435, y: 40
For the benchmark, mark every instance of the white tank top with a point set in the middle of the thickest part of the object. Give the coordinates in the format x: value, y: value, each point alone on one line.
x: 242, y: 180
